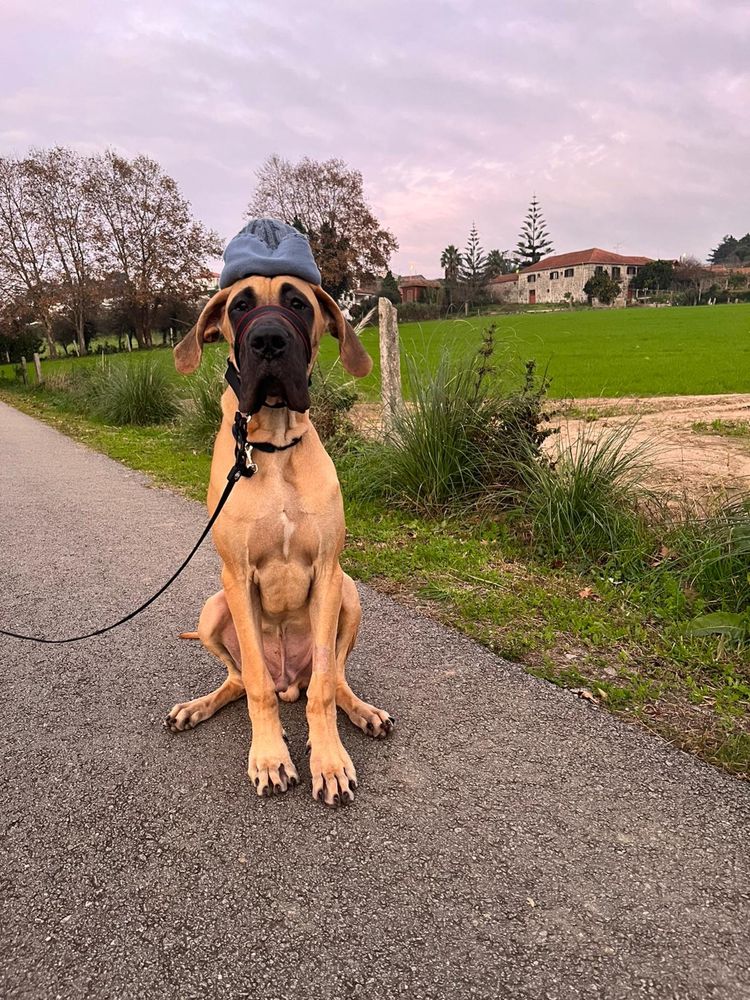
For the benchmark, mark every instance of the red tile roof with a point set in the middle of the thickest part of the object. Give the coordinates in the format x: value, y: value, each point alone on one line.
x: 501, y: 278
x: 592, y: 256
x: 418, y: 281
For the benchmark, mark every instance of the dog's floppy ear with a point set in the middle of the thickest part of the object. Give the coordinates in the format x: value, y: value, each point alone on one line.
x: 187, y: 354
x: 353, y: 356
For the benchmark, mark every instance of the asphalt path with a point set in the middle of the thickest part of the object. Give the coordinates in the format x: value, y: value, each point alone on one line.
x: 507, y: 841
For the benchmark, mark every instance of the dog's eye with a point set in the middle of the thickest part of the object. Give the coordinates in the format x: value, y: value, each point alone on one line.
x: 297, y: 304
x: 240, y: 306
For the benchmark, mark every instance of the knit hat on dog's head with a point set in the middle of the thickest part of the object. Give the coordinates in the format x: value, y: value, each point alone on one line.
x: 268, y: 247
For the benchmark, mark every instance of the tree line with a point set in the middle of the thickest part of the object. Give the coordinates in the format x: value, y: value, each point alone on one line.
x: 95, y: 241
x: 467, y: 272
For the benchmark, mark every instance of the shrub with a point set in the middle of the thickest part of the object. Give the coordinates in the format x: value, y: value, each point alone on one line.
x: 331, y: 403
x: 712, y: 555
x: 23, y: 344
x: 461, y: 440
x: 587, y: 506
x: 135, y: 392
x: 202, y: 414
x: 416, y: 312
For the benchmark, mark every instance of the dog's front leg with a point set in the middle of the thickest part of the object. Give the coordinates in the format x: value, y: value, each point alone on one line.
x: 269, y: 765
x: 333, y: 776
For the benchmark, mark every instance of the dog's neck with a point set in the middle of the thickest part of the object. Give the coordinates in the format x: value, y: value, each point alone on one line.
x: 276, y: 425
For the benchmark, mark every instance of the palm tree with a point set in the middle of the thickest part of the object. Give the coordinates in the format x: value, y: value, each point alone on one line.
x: 450, y: 261
x: 498, y: 262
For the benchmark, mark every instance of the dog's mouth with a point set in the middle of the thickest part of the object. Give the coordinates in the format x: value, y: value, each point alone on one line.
x: 274, y: 383
x: 272, y: 350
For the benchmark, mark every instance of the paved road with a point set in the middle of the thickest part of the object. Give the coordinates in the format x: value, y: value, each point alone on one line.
x: 509, y: 842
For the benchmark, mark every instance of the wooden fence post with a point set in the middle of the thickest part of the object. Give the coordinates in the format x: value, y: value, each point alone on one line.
x: 390, y: 362
x: 38, y: 367
x: 24, y: 371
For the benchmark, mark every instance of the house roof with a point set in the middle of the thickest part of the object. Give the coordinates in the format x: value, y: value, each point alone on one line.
x: 729, y: 268
x: 591, y: 256
x: 418, y: 281
x: 502, y: 278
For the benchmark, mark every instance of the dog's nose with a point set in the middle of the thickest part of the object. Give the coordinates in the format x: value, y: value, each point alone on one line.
x: 268, y: 342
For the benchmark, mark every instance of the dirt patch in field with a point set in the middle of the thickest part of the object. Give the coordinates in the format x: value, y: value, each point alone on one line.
x: 684, y: 461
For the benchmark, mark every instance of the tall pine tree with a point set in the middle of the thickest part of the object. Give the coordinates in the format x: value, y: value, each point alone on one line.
x: 473, y: 265
x: 533, y: 242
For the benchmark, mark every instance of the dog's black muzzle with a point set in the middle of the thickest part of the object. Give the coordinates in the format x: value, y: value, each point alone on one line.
x: 273, y: 350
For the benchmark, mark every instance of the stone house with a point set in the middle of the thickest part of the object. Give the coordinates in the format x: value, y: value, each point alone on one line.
x: 417, y: 288
x: 561, y: 277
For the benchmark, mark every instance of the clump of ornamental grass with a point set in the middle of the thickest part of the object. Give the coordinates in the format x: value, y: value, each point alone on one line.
x: 710, y: 553
x: 461, y: 439
x: 588, y: 505
x: 133, y: 392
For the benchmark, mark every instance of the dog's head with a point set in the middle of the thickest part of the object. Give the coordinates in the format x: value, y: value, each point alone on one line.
x: 273, y: 327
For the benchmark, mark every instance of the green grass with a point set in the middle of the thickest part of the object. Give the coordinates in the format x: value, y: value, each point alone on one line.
x: 603, y: 352
x: 625, y: 640
x: 618, y: 352
x: 723, y: 428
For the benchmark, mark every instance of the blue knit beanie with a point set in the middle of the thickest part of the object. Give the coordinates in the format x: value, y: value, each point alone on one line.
x: 268, y: 248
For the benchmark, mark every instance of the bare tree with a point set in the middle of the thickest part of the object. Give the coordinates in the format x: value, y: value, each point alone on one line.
x: 146, y: 236
x: 24, y: 248
x: 693, y: 277
x: 325, y: 200
x: 57, y: 182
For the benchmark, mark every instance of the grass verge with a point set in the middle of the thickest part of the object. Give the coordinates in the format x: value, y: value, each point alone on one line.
x: 623, y: 643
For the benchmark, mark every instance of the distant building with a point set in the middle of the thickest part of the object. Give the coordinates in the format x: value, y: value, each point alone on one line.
x: 561, y: 277
x: 417, y: 288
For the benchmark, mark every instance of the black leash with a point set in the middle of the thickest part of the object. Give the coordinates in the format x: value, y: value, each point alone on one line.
x: 243, y: 467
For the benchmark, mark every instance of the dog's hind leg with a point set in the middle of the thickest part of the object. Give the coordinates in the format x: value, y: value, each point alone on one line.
x: 373, y: 721
x: 217, y: 633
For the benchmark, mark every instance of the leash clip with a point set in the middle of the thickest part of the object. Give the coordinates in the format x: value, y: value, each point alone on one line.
x: 250, y: 465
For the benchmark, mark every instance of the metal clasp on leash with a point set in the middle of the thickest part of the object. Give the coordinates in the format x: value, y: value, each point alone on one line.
x: 250, y: 465
x: 243, y: 450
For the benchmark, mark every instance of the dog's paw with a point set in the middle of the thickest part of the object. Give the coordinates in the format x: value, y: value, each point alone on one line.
x: 333, y: 776
x: 373, y: 721
x: 187, y: 715
x: 271, y: 769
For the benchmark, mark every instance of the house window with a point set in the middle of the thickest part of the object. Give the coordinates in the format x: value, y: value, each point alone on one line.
x: 554, y: 274
x: 531, y: 278
x: 568, y: 272
x: 598, y: 269
x: 632, y: 270
x: 615, y: 272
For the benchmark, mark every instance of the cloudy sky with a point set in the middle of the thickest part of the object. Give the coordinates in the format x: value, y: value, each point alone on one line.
x: 630, y: 121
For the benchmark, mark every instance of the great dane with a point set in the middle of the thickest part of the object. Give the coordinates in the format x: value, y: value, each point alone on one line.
x: 287, y: 616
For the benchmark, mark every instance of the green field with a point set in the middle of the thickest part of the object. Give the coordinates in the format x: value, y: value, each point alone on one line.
x: 619, y: 352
